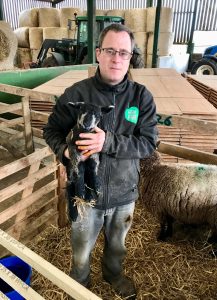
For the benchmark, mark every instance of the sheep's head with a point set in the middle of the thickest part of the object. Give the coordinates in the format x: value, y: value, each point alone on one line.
x: 89, y: 115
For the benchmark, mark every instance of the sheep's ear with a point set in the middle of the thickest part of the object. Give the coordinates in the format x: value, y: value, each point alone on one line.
x: 77, y: 105
x: 106, y: 109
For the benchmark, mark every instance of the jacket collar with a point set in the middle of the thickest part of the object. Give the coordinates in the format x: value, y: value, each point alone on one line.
x: 101, y: 85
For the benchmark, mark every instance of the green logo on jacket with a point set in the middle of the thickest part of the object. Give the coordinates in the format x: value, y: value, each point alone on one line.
x: 132, y: 114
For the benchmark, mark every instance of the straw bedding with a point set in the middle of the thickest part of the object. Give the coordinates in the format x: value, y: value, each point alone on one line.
x: 4, y: 46
x: 180, y: 269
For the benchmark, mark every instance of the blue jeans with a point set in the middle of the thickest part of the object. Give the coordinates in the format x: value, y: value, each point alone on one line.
x: 116, y: 223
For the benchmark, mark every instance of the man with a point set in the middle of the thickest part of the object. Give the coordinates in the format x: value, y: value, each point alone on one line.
x: 124, y: 136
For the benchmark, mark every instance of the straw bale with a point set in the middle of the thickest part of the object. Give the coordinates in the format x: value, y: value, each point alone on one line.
x: 35, y: 37
x: 166, y: 19
x: 141, y: 39
x: 101, y: 12
x: 34, y: 54
x: 28, y: 18
x: 23, y: 56
x: 22, y: 34
x: 55, y: 33
x: 68, y: 13
x: 165, y: 42
x: 72, y: 34
x: 48, y: 17
x: 116, y: 12
x: 135, y: 19
x: 8, y: 46
x: 179, y: 269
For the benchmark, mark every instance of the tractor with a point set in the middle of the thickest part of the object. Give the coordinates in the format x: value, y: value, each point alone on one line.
x: 74, y: 51
x: 207, y: 65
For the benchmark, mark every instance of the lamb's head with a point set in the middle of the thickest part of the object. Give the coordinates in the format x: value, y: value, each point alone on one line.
x: 89, y: 115
x: 148, y: 163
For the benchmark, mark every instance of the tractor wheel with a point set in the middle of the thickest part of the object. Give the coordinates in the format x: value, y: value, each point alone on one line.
x: 204, y: 67
x: 49, y: 62
x: 137, y: 61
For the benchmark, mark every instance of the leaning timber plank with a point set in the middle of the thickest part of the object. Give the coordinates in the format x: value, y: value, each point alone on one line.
x: 10, y: 147
x: 27, y: 201
x: 3, y: 296
x: 20, y: 91
x: 27, y: 125
x: 26, y: 193
x: 29, y: 224
x: 70, y: 286
x: 18, y: 285
x: 10, y: 108
x: 22, y: 184
x: 187, y: 153
x: 24, y: 162
x: 191, y: 124
x: 9, y: 123
x: 36, y: 115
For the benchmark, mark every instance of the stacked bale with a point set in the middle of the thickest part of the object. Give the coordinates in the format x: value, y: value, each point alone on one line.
x: 28, y: 18
x: 136, y: 20
x: 8, y: 46
x: 48, y: 17
x: 165, y: 38
x: 57, y: 33
x: 67, y: 13
x: 116, y: 13
x: 35, y: 41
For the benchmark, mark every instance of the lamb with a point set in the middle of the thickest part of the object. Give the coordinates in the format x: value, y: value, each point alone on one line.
x: 183, y: 192
x: 79, y: 171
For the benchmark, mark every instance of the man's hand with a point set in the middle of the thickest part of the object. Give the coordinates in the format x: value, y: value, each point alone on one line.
x: 91, y: 142
x: 83, y: 156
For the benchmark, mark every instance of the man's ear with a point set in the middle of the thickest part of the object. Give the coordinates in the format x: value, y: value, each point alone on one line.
x: 77, y: 105
x: 98, y: 51
x: 106, y: 109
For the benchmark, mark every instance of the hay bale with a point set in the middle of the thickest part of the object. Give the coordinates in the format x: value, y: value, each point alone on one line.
x: 72, y: 34
x: 48, y: 17
x: 34, y: 54
x: 149, y: 61
x: 55, y: 33
x: 100, y: 12
x: 28, y: 18
x: 165, y: 42
x: 166, y: 19
x: 141, y: 39
x: 8, y: 46
x: 116, y: 12
x: 135, y: 19
x: 22, y: 34
x: 35, y: 37
x: 68, y: 13
x: 23, y: 56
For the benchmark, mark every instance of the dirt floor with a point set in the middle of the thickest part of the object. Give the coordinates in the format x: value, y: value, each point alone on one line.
x: 182, y: 268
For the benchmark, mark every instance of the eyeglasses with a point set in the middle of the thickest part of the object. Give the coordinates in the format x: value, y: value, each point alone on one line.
x: 112, y: 52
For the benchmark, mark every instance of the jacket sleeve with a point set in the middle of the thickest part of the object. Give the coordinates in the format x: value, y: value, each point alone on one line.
x: 143, y: 141
x: 60, y: 121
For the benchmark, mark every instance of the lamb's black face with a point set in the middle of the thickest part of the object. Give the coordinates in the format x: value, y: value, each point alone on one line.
x: 89, y: 117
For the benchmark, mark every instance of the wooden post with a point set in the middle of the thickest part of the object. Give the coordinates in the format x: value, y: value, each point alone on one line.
x: 187, y: 153
x: 27, y: 126
x: 61, y: 206
x: 91, y: 71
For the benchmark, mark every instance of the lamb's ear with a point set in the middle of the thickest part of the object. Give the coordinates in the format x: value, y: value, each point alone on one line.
x: 77, y: 105
x: 106, y: 109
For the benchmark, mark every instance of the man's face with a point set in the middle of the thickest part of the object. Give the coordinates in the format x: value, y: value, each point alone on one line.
x: 113, y: 67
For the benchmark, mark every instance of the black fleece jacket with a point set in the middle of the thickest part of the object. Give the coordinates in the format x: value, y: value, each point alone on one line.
x: 131, y: 133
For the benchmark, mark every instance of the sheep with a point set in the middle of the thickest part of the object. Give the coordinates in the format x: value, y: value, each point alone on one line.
x: 183, y: 192
x: 78, y: 170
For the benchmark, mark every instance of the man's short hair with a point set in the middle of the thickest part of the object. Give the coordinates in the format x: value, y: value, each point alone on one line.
x: 116, y: 27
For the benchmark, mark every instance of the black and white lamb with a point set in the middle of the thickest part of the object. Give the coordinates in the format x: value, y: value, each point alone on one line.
x: 77, y: 170
x: 183, y: 192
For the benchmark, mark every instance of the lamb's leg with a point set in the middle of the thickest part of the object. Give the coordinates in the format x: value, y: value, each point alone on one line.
x: 79, y: 181
x: 166, y: 229
x: 92, y: 165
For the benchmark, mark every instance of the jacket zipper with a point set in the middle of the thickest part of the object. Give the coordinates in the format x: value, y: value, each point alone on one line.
x: 107, y: 160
